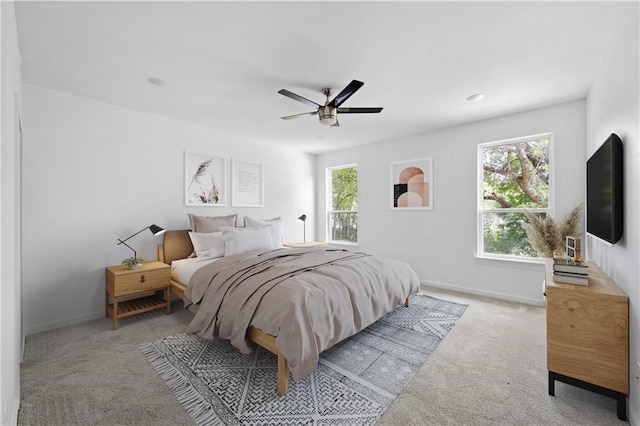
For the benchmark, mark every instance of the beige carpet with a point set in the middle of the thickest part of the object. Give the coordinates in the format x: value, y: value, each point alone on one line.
x: 489, y: 370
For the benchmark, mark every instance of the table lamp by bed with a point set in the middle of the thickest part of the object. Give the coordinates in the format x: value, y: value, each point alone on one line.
x: 303, y: 219
x: 155, y: 230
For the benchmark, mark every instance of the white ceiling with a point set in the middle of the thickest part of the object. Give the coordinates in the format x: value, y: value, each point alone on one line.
x: 225, y: 61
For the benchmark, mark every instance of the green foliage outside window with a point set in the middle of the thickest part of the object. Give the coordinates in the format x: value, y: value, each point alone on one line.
x: 504, y: 234
x: 515, y: 180
x: 344, y: 194
x: 343, y: 217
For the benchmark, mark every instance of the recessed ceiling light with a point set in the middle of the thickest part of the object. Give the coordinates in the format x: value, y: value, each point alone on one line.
x: 157, y: 81
x: 476, y: 97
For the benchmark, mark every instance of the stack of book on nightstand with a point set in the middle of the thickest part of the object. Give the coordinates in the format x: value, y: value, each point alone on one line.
x: 570, y: 272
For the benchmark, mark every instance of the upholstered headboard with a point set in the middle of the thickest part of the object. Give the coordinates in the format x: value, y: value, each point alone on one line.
x: 176, y: 245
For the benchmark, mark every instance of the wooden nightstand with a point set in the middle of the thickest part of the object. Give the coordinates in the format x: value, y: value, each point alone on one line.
x: 121, y: 281
x: 305, y: 244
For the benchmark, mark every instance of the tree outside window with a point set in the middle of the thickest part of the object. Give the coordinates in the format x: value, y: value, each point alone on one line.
x: 343, y: 212
x: 515, y: 177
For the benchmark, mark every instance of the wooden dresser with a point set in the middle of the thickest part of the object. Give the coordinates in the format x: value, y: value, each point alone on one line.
x: 588, y: 335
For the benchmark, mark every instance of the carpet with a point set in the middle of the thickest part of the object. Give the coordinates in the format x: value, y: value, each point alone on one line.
x: 354, y: 383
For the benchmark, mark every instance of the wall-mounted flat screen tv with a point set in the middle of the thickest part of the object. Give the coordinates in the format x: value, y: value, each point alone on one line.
x: 604, y: 191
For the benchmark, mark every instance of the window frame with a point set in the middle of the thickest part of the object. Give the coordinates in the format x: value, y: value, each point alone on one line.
x: 481, y: 210
x: 329, y: 203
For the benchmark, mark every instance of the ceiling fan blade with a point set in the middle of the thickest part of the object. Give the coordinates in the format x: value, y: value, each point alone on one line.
x: 289, y: 117
x: 346, y: 93
x: 358, y: 110
x: 298, y: 98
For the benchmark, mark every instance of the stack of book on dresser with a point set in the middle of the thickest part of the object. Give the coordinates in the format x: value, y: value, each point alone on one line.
x: 570, y: 272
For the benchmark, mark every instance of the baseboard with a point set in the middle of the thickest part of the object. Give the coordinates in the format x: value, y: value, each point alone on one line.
x: 39, y: 328
x: 10, y: 415
x: 634, y: 418
x: 483, y: 293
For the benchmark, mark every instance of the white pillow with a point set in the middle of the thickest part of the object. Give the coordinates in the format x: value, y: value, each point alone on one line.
x: 246, y: 240
x: 275, y: 224
x: 207, y: 245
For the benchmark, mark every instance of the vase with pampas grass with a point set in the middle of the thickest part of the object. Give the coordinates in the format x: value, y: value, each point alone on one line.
x: 547, y: 235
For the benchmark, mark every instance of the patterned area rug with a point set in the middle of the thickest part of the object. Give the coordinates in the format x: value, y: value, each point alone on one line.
x: 354, y: 384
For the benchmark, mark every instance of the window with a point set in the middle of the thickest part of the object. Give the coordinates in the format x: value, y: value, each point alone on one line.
x: 514, y: 177
x: 342, y: 217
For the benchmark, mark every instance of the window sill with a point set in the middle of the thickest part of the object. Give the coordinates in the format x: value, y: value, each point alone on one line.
x: 521, y: 260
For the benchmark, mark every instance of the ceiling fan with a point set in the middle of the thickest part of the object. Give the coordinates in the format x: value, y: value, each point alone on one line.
x: 328, y: 113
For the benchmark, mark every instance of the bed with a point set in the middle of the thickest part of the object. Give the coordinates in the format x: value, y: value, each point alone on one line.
x: 287, y: 283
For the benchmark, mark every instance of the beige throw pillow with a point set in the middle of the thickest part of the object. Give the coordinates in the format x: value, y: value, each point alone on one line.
x: 207, y: 224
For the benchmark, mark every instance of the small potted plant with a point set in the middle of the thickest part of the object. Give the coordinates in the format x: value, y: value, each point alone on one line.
x: 133, y: 262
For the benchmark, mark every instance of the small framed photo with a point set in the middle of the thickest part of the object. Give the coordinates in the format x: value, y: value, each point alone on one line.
x: 247, y: 184
x: 573, y: 248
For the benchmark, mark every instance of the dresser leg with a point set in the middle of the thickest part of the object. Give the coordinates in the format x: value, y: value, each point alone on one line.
x: 621, y: 398
x: 622, y: 407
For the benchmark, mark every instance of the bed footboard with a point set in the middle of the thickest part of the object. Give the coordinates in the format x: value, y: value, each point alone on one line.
x: 268, y: 342
x: 178, y: 246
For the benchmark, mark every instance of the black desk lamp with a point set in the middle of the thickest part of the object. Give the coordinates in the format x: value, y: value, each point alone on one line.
x: 155, y: 230
x: 303, y: 219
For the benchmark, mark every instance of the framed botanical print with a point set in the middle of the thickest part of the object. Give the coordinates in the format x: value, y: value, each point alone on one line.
x: 204, y: 180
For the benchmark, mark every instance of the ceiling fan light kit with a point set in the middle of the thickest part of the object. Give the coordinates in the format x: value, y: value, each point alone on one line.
x: 328, y: 113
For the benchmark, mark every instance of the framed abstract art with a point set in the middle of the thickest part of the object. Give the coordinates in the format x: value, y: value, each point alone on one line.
x: 412, y: 184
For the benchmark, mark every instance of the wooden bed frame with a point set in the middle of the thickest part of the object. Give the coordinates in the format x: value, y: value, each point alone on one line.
x: 177, y: 245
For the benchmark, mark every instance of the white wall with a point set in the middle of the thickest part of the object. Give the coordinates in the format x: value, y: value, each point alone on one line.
x: 10, y: 333
x: 440, y: 244
x: 95, y: 172
x: 612, y: 107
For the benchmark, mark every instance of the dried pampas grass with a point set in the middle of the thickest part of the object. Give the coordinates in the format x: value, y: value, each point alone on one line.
x: 200, y: 171
x: 547, y: 235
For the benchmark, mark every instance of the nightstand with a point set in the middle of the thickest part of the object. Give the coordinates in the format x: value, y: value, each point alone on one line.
x: 149, y: 277
x: 305, y: 244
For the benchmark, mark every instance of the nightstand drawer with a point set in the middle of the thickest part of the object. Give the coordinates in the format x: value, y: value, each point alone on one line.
x: 140, y: 281
x: 121, y: 281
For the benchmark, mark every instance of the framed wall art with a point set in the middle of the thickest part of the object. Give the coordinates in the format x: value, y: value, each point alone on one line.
x: 204, y: 180
x: 247, y: 184
x: 412, y: 184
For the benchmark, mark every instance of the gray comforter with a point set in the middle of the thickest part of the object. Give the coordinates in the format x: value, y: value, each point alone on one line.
x: 309, y: 298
